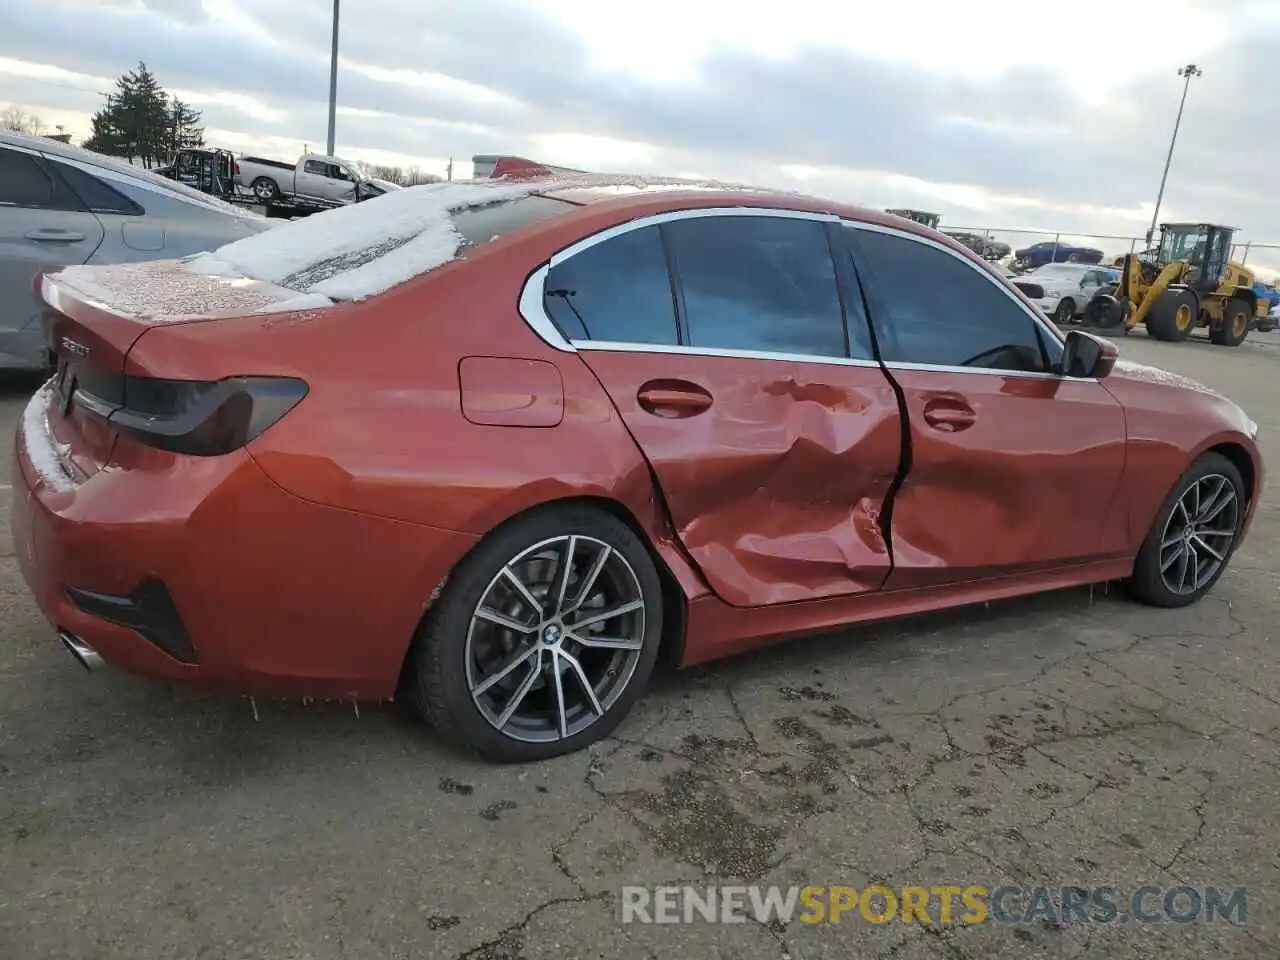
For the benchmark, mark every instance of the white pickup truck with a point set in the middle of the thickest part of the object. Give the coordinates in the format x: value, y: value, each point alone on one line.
x: 314, y: 181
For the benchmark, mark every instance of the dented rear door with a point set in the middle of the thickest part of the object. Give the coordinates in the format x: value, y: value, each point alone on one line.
x: 774, y: 442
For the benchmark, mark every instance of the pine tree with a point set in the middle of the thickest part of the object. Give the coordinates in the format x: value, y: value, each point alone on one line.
x: 185, y: 132
x: 136, y: 122
x: 106, y: 136
x: 151, y: 113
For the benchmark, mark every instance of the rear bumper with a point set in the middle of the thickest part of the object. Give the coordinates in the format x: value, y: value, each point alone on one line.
x: 203, y: 570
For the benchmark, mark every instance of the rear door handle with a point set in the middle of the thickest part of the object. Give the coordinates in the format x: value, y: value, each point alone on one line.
x: 54, y: 236
x: 673, y: 399
x: 949, y: 416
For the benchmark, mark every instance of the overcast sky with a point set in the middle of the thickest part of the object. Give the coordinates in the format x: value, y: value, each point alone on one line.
x: 1039, y: 115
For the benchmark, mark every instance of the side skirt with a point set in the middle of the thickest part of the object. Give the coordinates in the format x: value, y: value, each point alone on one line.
x: 717, y: 630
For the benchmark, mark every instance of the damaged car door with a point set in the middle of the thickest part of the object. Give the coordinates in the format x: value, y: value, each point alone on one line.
x: 1014, y: 467
x: 722, y: 339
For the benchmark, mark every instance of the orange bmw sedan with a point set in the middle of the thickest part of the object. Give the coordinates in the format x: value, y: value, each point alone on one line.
x: 495, y: 446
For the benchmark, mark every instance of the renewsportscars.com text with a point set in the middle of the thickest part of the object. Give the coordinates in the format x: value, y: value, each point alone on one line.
x: 935, y: 905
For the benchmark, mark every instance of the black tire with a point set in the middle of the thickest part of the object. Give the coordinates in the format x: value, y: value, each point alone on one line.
x: 438, y: 675
x: 1148, y: 583
x: 1265, y: 324
x: 1173, y: 316
x: 265, y: 190
x: 1106, y: 312
x: 1064, y: 312
x: 1236, y: 316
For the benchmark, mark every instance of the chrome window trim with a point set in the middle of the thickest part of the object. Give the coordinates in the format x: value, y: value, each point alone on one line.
x: 727, y: 352
x: 534, y: 313
x: 17, y: 148
x: 672, y: 216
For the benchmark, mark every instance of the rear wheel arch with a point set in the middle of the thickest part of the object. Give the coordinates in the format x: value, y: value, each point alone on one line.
x: 675, y: 600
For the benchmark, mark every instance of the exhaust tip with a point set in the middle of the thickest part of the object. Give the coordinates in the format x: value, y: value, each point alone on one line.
x: 85, y: 654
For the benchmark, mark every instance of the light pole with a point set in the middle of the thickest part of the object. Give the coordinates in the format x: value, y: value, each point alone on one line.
x: 1189, y: 71
x: 333, y: 81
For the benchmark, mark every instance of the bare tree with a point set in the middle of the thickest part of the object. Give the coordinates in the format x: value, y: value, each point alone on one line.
x: 414, y: 177
x: 411, y: 177
x: 15, y: 118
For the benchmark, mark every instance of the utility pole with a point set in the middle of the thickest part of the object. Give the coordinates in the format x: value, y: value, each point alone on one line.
x: 449, y: 169
x: 333, y: 82
x: 1189, y: 71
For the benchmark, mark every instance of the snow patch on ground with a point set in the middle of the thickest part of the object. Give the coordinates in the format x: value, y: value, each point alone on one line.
x: 46, y: 454
x: 359, y: 250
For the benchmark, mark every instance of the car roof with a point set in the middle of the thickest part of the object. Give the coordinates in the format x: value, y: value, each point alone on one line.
x: 621, y: 198
x: 142, y: 177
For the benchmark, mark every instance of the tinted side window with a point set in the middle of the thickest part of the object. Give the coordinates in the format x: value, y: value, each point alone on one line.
x: 95, y: 194
x: 316, y: 167
x: 758, y: 283
x: 618, y: 290
x: 23, y: 183
x: 942, y: 311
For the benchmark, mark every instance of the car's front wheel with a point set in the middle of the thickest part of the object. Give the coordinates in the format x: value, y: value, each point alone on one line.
x: 1065, y: 311
x: 544, y: 637
x: 1193, y: 536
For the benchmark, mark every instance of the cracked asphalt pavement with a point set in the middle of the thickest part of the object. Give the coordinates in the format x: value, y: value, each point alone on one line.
x: 1075, y: 738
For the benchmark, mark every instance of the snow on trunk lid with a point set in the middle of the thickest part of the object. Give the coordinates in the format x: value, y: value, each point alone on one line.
x: 164, y: 291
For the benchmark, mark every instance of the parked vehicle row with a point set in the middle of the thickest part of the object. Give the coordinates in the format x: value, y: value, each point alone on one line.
x: 686, y: 421
x: 1054, y: 251
x: 979, y: 243
x: 1064, y: 290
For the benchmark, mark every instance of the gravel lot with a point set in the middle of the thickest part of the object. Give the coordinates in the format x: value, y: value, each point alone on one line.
x: 1075, y: 738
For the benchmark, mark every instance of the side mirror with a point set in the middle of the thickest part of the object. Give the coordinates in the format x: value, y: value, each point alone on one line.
x: 1087, y: 356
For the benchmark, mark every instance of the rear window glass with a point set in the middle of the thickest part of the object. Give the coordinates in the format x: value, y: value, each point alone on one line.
x: 22, y: 182
x: 479, y: 225
x: 95, y: 194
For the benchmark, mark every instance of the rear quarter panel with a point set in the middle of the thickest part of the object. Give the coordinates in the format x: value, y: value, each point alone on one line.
x: 382, y: 431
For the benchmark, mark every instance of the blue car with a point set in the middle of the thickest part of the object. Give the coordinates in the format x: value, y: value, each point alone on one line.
x: 1050, y: 251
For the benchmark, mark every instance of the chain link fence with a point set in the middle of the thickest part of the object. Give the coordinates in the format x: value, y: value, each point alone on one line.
x: 1259, y: 254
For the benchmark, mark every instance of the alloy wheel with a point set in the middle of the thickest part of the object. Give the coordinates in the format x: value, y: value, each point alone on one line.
x: 1198, y: 535
x: 555, y: 639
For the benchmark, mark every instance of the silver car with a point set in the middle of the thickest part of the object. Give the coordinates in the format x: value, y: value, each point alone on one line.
x: 61, y: 205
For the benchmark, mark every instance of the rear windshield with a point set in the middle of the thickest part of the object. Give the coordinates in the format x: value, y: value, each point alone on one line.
x: 480, y: 225
x: 477, y: 226
x: 362, y: 249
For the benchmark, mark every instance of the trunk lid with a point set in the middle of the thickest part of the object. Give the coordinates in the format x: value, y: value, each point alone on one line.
x: 95, y: 315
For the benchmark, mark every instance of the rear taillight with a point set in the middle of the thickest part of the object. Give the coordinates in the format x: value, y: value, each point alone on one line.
x: 204, y: 418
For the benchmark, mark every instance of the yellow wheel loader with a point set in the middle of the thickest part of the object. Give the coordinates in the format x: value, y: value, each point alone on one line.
x: 1187, y: 281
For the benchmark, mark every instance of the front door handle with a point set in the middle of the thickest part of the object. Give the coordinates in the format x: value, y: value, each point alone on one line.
x: 673, y: 399
x: 54, y: 236
x: 949, y: 416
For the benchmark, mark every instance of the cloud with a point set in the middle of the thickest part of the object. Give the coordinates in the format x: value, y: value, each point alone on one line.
x: 975, y: 117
